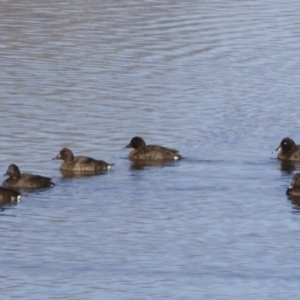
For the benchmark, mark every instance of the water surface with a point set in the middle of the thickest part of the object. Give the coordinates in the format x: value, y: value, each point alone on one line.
x: 218, y: 81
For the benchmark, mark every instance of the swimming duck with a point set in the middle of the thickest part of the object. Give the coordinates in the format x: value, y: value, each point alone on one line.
x: 8, y: 195
x: 80, y: 163
x: 288, y: 150
x: 141, y: 151
x: 294, y: 187
x: 25, y: 180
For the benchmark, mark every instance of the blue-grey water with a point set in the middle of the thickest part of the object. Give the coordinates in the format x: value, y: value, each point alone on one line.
x: 218, y: 80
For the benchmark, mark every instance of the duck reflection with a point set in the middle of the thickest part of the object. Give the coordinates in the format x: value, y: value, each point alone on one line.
x: 296, y: 202
x: 140, y: 165
x: 74, y: 174
x: 287, y: 166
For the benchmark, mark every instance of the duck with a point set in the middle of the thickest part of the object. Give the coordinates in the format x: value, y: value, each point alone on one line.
x: 25, y: 180
x: 294, y: 187
x: 288, y: 150
x: 8, y: 195
x: 80, y: 163
x: 141, y: 151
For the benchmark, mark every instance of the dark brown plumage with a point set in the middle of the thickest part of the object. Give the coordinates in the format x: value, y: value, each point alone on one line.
x: 8, y: 195
x: 142, y: 151
x: 80, y: 163
x: 25, y: 180
x: 288, y: 150
x: 294, y: 187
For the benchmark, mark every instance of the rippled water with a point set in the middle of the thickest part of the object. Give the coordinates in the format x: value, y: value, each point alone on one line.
x: 218, y: 81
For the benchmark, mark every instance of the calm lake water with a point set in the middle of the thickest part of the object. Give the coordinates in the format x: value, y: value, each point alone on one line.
x: 218, y: 81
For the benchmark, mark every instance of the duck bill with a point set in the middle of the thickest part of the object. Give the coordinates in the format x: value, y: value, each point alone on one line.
x: 128, y: 146
x: 278, y: 148
x: 56, y: 157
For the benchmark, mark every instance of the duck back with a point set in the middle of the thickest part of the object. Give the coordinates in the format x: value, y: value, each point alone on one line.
x: 85, y: 164
x: 154, y: 152
x: 29, y: 181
